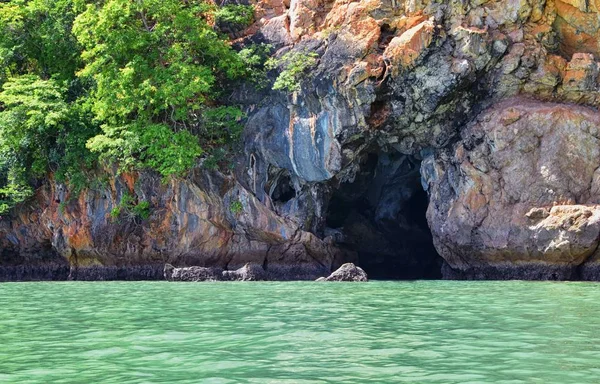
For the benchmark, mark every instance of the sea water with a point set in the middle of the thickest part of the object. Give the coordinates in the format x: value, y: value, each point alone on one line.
x: 300, y: 332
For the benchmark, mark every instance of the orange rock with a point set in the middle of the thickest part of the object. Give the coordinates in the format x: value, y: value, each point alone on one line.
x: 582, y: 5
x: 581, y: 72
x: 578, y: 31
x: 404, y: 50
x: 532, y: 205
x: 354, y: 21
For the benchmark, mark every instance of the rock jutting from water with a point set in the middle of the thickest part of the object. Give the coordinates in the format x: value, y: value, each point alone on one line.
x: 249, y: 272
x: 347, y: 272
x: 431, y: 139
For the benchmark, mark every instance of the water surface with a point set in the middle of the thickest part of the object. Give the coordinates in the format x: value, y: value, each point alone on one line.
x: 379, y: 332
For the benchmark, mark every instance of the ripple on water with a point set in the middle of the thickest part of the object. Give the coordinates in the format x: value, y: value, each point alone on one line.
x: 410, y: 332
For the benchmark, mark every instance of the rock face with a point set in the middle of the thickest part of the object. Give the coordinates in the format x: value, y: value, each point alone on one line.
x: 347, y: 272
x: 191, y: 223
x: 518, y: 194
x: 481, y: 113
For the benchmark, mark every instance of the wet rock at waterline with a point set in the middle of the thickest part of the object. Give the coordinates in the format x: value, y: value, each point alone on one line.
x: 249, y: 272
x: 347, y: 272
x: 193, y: 274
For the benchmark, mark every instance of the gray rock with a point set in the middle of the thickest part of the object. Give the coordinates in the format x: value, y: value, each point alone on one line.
x: 347, y: 272
x: 249, y: 272
x: 193, y: 274
x: 168, y: 272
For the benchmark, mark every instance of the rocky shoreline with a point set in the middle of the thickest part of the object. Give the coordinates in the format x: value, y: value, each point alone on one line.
x: 249, y: 272
x: 56, y: 272
x: 160, y: 272
x: 430, y: 140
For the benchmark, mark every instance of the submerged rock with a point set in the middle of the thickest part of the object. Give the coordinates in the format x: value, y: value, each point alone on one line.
x: 347, y: 272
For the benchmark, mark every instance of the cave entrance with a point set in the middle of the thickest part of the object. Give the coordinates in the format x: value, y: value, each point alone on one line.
x: 381, y: 216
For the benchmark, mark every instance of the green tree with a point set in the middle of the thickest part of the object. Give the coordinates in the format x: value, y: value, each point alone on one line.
x: 128, y: 81
x: 33, y: 114
x: 44, y: 124
x: 35, y: 38
x: 157, y: 65
x: 293, y: 69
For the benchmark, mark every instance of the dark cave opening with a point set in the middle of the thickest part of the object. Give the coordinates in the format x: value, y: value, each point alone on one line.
x: 381, y: 216
x: 280, y: 186
x: 283, y: 190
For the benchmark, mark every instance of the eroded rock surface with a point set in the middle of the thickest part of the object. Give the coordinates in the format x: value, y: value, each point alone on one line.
x: 487, y: 108
x: 518, y: 195
x: 191, y: 224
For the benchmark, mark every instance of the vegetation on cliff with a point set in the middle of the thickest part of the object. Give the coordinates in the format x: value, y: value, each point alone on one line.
x: 135, y: 83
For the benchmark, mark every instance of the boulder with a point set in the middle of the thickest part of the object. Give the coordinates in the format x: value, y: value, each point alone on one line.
x: 193, y: 274
x: 347, y: 272
x: 249, y: 272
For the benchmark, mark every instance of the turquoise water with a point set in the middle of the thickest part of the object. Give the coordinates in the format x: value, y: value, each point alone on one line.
x: 379, y: 332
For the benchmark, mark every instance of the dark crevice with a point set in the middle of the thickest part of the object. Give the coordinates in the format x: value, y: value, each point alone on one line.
x: 385, y: 37
x: 380, y: 112
x: 382, y: 217
x: 284, y: 190
x: 280, y: 186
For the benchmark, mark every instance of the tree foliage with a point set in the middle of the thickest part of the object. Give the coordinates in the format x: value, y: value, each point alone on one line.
x: 133, y: 82
x: 35, y: 38
x: 293, y: 65
x: 152, y: 59
x: 234, y: 17
x: 157, y: 65
x: 34, y: 114
x: 131, y: 208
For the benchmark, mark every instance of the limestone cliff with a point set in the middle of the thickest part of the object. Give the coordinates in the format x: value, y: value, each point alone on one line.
x: 481, y: 113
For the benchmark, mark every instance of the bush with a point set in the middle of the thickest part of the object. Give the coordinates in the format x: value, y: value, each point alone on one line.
x: 154, y: 146
x: 255, y: 57
x: 293, y: 66
x: 12, y: 194
x: 236, y: 207
x: 234, y: 16
x: 130, y: 210
x: 33, y: 115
